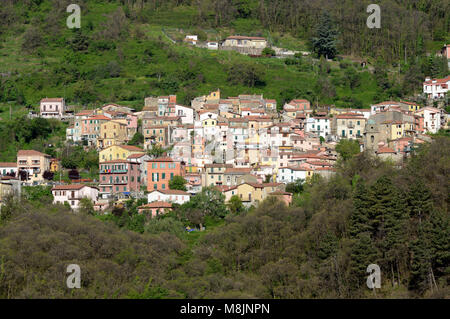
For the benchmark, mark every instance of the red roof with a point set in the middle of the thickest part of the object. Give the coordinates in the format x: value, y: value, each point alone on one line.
x: 438, y: 81
x: 131, y: 148
x: 136, y: 155
x: 384, y: 149
x: 8, y: 164
x: 171, y: 192
x: 99, y: 117
x: 31, y: 153
x: 52, y: 100
x: 156, y: 205
x: 240, y: 37
x: 161, y: 159
x: 68, y: 187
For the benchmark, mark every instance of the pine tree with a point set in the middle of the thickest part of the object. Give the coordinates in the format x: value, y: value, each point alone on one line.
x: 326, y: 37
x: 362, y: 255
x: 420, y: 279
x: 382, y: 198
x: 359, y: 220
x: 394, y: 244
x: 419, y: 201
x: 440, y: 244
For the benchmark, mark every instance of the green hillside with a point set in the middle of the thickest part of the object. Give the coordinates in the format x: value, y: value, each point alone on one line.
x: 122, y: 53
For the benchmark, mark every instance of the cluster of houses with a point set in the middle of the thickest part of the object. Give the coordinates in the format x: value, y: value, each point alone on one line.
x: 243, y: 145
x: 248, y: 45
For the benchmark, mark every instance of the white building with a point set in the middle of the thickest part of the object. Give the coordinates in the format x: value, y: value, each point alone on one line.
x: 191, y: 39
x: 169, y: 195
x: 73, y: 193
x: 8, y: 168
x: 291, y: 174
x: 431, y: 118
x: 212, y: 45
x: 319, y: 126
x: 436, y: 88
x: 52, y: 108
x: 186, y: 114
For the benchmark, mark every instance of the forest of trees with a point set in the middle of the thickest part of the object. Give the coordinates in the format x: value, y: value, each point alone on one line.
x: 405, y: 26
x: 319, y: 247
x: 117, y: 56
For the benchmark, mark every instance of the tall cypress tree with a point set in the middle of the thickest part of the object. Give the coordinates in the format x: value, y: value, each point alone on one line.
x: 419, y: 201
x: 363, y: 254
x: 359, y: 219
x: 325, y: 41
x: 420, y: 280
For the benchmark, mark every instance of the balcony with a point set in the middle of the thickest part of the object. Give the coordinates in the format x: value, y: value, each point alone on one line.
x: 114, y: 171
x: 350, y: 125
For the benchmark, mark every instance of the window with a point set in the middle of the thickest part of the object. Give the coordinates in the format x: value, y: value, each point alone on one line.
x: 163, y: 176
x: 155, y: 186
x: 163, y: 186
x: 171, y: 176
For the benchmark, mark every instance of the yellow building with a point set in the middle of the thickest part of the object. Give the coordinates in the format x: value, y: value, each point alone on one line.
x: 112, y: 133
x: 253, y: 193
x: 411, y: 106
x: 156, y: 135
x: 213, y: 96
x: 394, y: 129
x: 34, y: 163
x: 121, y: 152
x: 348, y: 125
x: 214, y: 174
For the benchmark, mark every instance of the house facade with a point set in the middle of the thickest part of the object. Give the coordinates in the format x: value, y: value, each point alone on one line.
x: 52, y: 108
x: 34, y: 163
x: 119, y: 176
x: 162, y: 170
x: 7, y: 168
x: 436, y: 88
x: 155, y: 209
x: 244, y: 44
x: 73, y: 193
x: 169, y: 195
x: 117, y: 152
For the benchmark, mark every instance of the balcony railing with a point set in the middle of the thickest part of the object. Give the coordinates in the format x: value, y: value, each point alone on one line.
x: 113, y: 171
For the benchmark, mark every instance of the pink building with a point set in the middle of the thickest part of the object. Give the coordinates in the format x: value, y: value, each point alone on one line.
x: 72, y: 194
x: 52, y: 108
x: 285, y: 197
x: 90, y: 128
x: 155, y: 208
x: 119, y: 176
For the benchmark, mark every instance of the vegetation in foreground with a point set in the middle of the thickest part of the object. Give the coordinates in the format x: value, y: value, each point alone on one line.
x: 320, y: 247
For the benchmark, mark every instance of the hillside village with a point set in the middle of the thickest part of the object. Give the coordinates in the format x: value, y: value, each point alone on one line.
x: 243, y: 145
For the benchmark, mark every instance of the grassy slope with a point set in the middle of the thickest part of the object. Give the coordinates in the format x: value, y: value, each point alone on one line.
x: 137, y: 78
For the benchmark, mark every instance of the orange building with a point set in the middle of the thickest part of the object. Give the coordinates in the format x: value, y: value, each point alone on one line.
x: 161, y: 170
